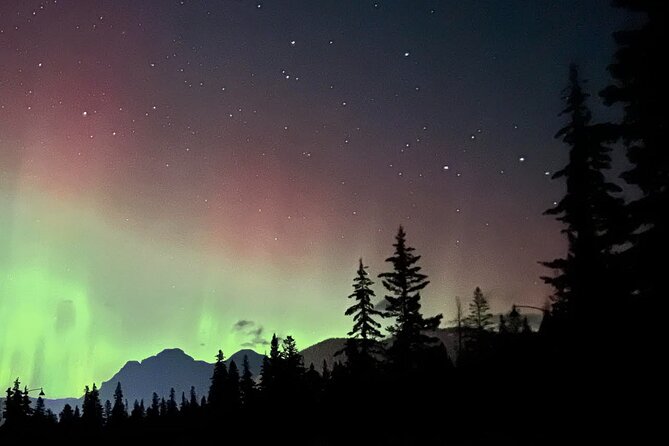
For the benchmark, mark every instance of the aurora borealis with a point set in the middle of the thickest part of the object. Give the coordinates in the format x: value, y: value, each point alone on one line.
x: 171, y: 168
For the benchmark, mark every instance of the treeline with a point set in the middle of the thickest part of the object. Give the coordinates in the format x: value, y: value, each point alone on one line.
x: 411, y: 368
x: 585, y: 375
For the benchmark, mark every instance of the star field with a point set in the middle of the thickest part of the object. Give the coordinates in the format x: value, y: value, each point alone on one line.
x: 168, y: 168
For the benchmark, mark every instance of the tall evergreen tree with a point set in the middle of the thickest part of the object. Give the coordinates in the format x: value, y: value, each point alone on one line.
x: 365, y: 333
x: 587, y: 210
x: 246, y: 384
x: 15, y: 408
x: 92, y: 415
x: 172, y: 408
x: 292, y: 359
x: 193, y: 398
x: 404, y: 284
x: 218, y: 380
x: 514, y: 321
x: 184, y: 406
x: 137, y: 413
x: 271, y: 367
x: 118, y: 413
x: 479, y: 319
x: 26, y: 401
x: 162, y: 408
x: 40, y: 411
x: 107, y: 410
x: 66, y: 415
x: 232, y: 389
x: 640, y: 74
x: 153, y: 412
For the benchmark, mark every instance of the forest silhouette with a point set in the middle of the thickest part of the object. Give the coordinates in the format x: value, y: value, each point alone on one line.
x: 584, y: 374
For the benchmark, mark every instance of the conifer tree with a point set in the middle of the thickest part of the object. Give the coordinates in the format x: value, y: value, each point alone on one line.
x: 107, y: 411
x: 92, y: 415
x: 404, y: 284
x: 232, y: 389
x: 172, y: 408
x: 184, y: 406
x: 218, y: 380
x: 587, y: 210
x: 39, y: 412
x: 640, y: 74
x: 514, y: 321
x: 247, y: 385
x: 153, y: 411
x: 137, y: 413
x: 193, y: 398
x: 66, y: 415
x: 118, y: 412
x: 365, y: 333
x: 479, y: 318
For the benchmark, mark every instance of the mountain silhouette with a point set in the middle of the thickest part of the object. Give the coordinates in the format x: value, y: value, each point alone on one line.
x: 171, y: 368
x: 326, y: 349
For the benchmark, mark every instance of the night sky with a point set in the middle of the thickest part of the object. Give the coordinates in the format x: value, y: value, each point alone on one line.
x: 201, y: 174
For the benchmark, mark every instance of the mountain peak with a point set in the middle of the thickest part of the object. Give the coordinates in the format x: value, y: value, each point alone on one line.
x: 170, y: 355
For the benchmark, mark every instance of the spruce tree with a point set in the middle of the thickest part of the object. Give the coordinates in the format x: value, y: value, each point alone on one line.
x: 232, y: 391
x: 218, y: 380
x: 39, y: 412
x: 137, y: 413
x: 404, y: 284
x: 15, y: 409
x: 247, y: 385
x: 184, y: 407
x: 118, y: 412
x: 514, y: 321
x: 639, y: 72
x: 271, y: 367
x: 292, y: 359
x: 365, y: 333
x: 66, y: 415
x: 107, y: 411
x: 587, y: 210
x: 92, y: 415
x: 172, y: 408
x: 479, y: 318
x: 153, y: 412
x: 193, y: 398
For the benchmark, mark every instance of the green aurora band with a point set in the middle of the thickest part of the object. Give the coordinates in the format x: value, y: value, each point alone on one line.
x: 78, y: 298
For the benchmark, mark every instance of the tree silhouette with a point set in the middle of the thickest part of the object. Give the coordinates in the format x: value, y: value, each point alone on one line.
x: 514, y: 321
x: 232, y: 389
x: 118, y: 412
x: 587, y: 210
x: 107, y: 409
x: 153, y: 412
x: 193, y: 399
x: 247, y: 385
x: 172, y: 408
x: 363, y: 342
x: 218, y: 380
x: 479, y: 318
x: 404, y: 284
x: 640, y: 85
x: 66, y: 415
x: 137, y: 414
x: 92, y: 414
x: 271, y: 367
x: 15, y: 408
x: 292, y: 359
x: 39, y: 413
